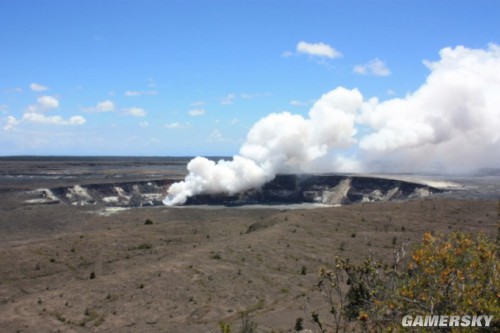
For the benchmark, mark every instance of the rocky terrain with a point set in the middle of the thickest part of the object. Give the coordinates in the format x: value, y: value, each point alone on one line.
x: 284, y: 189
x: 106, y: 266
x: 321, y: 189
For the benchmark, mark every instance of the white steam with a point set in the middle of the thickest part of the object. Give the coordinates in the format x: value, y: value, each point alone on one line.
x: 276, y: 143
x: 451, y: 123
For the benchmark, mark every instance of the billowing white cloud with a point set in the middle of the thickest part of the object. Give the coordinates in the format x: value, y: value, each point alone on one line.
x: 450, y: 124
x: 135, y: 112
x: 38, y: 87
x: 104, y: 106
x: 318, y: 50
x: 196, y: 112
x: 276, y: 143
x: 375, y: 67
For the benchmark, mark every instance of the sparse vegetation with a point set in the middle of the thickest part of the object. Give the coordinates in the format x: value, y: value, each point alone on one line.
x: 261, y: 273
x: 455, y: 273
x: 299, y: 324
x: 247, y: 325
x: 216, y: 256
x: 148, y: 222
x: 142, y: 246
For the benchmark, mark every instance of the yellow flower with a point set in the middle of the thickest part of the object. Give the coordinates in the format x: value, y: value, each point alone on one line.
x: 363, y: 316
x: 428, y: 238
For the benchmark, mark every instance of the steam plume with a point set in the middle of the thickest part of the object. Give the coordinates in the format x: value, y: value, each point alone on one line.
x: 451, y: 123
x: 276, y: 143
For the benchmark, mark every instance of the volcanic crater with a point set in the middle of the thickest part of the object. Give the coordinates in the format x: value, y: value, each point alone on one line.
x: 282, y: 190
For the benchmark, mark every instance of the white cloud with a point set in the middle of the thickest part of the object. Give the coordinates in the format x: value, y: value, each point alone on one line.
x: 215, y: 136
x: 133, y: 93
x: 276, y: 143
x: 255, y: 95
x: 196, y: 112
x: 177, y: 125
x: 11, y: 123
x: 135, y: 112
x: 43, y: 104
x: 143, y: 124
x: 298, y: 103
x: 318, y: 50
x: 104, y: 106
x: 35, y: 113
x: 76, y: 120
x: 450, y: 123
x: 228, y: 100
x: 15, y: 90
x: 48, y: 102
x: 375, y: 67
x: 53, y: 120
x: 287, y: 54
x: 38, y: 87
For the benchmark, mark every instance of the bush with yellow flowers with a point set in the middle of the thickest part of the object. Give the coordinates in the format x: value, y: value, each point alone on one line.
x: 454, y: 274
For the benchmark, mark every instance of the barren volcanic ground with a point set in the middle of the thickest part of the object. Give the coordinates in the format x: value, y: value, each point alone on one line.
x: 95, y: 268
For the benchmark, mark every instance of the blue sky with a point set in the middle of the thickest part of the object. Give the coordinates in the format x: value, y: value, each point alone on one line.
x: 191, y: 77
